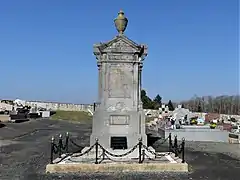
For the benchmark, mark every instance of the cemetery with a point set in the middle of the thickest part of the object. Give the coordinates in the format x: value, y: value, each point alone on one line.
x: 18, y: 112
x: 175, y: 145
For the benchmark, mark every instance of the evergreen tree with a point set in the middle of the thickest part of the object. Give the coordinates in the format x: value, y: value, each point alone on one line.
x: 170, y: 105
x: 158, y: 99
x: 147, y: 102
x: 157, y: 102
x: 199, y: 108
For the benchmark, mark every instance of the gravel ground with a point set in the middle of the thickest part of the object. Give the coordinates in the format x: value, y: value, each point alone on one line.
x: 25, y: 151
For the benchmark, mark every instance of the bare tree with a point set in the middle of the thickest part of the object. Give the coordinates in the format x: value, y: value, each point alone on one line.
x: 220, y: 104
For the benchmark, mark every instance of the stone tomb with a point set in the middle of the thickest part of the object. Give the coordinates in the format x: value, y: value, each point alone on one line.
x: 120, y: 115
x: 119, y: 119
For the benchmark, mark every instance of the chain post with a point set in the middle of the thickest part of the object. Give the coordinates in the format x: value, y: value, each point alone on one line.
x: 60, y: 146
x: 175, y: 146
x: 52, y: 150
x: 170, y: 142
x: 67, y: 141
x: 103, y: 154
x: 140, y: 150
x: 96, y: 149
x: 143, y: 155
x: 183, y: 150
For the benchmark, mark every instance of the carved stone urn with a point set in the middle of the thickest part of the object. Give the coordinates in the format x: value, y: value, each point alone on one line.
x: 121, y: 22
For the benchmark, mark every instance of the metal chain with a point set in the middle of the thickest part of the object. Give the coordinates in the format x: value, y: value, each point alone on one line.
x: 72, y: 154
x: 75, y: 144
x: 65, y: 146
x: 55, y: 149
x: 87, y: 151
x: 106, y: 152
x: 119, y: 155
x: 179, y: 148
x: 164, y: 141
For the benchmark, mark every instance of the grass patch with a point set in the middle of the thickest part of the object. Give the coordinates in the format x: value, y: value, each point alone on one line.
x: 79, y: 116
x: 148, y: 119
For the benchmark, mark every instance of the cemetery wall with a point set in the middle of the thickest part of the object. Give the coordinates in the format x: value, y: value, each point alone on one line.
x: 74, y: 107
x: 211, y: 135
x: 89, y: 108
x: 61, y: 106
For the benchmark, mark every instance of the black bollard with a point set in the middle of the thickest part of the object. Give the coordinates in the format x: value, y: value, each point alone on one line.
x: 60, y: 145
x: 140, y: 150
x: 96, y: 149
x: 143, y: 155
x: 94, y: 107
x: 52, y: 150
x: 175, y: 146
x: 170, y: 142
x: 183, y: 150
x: 67, y: 142
x: 103, y: 154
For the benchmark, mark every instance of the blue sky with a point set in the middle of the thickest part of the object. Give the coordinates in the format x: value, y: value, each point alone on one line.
x: 46, y: 47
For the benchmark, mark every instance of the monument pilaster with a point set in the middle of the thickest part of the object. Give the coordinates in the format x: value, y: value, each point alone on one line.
x: 140, y: 84
x: 99, y: 65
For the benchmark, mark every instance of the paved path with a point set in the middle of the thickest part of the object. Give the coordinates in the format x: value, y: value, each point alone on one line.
x: 24, y: 153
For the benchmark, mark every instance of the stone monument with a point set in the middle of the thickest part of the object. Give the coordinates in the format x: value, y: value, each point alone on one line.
x: 119, y: 119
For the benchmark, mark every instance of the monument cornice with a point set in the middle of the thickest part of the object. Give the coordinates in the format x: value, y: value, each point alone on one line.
x: 119, y: 61
x: 120, y: 45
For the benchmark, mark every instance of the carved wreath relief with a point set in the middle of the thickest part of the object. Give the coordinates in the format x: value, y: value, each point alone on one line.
x: 119, y: 107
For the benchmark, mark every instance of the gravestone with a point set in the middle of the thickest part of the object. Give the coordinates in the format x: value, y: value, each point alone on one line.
x: 119, y: 120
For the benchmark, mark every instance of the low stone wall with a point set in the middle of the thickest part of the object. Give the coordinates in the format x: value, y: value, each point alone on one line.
x: 61, y: 106
x: 76, y: 107
x: 4, y: 118
x: 89, y: 108
x: 211, y: 135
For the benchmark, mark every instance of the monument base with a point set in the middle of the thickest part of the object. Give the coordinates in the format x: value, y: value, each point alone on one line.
x: 166, y: 163
x: 126, y: 161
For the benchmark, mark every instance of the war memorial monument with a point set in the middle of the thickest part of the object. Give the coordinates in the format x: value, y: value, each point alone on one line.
x: 118, y: 140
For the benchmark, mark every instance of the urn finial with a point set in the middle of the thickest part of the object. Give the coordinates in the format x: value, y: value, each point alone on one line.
x: 121, y: 22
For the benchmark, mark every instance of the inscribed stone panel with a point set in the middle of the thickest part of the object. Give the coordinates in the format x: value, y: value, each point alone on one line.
x: 120, y: 57
x: 119, y: 119
x: 120, y: 79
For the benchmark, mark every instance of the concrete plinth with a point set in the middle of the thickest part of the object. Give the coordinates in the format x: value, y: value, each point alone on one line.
x: 167, y: 163
x: 117, y: 167
x: 164, y: 161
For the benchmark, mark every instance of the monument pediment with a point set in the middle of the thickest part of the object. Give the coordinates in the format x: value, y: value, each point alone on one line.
x: 119, y: 44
